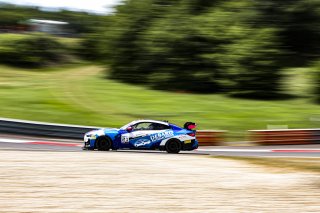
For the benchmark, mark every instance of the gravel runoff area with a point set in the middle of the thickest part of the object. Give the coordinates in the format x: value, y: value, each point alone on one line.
x: 142, y: 182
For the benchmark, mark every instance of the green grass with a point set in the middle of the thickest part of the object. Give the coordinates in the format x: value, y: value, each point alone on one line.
x: 82, y: 95
x: 281, y: 164
x: 5, y: 37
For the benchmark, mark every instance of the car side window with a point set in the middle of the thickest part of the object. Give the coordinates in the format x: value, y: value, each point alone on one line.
x: 149, y: 126
x: 141, y: 126
x: 157, y: 126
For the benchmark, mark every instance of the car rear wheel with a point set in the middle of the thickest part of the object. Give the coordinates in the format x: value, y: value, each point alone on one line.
x: 103, y: 143
x: 173, y: 146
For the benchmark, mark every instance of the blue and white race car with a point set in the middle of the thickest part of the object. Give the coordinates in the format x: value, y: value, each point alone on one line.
x: 144, y: 134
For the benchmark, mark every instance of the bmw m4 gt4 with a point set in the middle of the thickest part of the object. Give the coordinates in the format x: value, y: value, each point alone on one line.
x: 144, y: 134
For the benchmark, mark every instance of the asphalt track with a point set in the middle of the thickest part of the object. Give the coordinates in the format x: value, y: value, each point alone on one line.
x: 24, y: 143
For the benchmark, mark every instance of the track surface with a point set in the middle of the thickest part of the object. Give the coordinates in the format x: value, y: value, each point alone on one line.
x: 23, y: 143
x: 49, y: 175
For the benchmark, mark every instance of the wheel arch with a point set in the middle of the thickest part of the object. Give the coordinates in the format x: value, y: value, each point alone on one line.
x: 164, y: 142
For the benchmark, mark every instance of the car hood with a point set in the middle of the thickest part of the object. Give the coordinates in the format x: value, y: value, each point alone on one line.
x: 108, y: 130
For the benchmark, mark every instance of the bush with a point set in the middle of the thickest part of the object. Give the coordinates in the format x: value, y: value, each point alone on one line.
x: 32, y: 51
x: 90, y: 48
x: 216, y: 49
x: 318, y: 89
x: 316, y: 74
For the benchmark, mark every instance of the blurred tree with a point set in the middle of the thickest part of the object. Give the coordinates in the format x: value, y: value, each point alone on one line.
x: 248, y: 51
x: 128, y: 57
x: 317, y: 89
x: 91, y: 47
x: 33, y: 51
x: 315, y: 68
x: 298, y: 24
x: 196, y: 45
x: 175, y: 49
x: 88, y: 26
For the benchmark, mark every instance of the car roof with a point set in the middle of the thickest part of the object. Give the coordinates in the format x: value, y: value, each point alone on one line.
x: 139, y: 121
x: 151, y: 121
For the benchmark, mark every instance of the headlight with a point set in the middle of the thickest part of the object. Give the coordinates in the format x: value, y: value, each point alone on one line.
x: 91, y: 136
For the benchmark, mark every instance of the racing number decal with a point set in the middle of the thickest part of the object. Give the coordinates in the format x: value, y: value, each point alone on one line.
x: 125, y: 138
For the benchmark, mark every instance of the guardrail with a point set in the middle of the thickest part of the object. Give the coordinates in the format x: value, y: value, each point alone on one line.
x: 285, y: 136
x: 205, y: 137
x: 43, y: 129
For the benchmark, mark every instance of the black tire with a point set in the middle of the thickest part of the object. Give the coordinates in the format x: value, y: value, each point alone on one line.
x: 103, y: 144
x: 173, y: 146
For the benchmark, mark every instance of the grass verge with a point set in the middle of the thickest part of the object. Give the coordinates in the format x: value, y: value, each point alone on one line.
x: 82, y: 95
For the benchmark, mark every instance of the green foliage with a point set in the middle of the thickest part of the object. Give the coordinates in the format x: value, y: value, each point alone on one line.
x: 318, y: 88
x: 316, y: 74
x: 253, y: 63
x: 90, y: 47
x: 177, y: 50
x: 188, y: 45
x: 39, y: 49
x: 240, y: 47
x: 32, y: 51
x: 298, y: 24
x: 126, y: 51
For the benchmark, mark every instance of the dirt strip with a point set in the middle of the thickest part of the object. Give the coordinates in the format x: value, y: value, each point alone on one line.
x: 143, y: 182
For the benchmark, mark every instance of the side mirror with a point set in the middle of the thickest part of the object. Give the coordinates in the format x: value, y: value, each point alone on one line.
x: 129, y: 129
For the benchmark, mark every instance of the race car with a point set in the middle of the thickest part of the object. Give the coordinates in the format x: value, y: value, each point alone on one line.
x: 144, y: 134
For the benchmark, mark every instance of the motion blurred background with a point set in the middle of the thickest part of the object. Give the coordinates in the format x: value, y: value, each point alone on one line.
x: 230, y: 65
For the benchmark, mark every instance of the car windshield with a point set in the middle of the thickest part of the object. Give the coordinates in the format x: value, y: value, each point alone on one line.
x: 127, y: 125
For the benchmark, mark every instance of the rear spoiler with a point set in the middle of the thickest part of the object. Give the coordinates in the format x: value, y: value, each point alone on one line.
x: 190, y: 125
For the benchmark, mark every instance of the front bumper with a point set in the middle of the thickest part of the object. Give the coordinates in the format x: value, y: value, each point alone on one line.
x: 86, y: 145
x: 89, y: 140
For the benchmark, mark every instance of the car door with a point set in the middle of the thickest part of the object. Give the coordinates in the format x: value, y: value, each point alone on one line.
x: 138, y: 131
x: 142, y: 136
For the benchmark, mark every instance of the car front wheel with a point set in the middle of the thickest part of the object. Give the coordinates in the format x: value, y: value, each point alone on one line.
x: 103, y: 143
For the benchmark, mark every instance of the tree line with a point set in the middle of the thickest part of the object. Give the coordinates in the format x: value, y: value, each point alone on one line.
x: 39, y: 49
x: 12, y: 16
x: 240, y: 46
